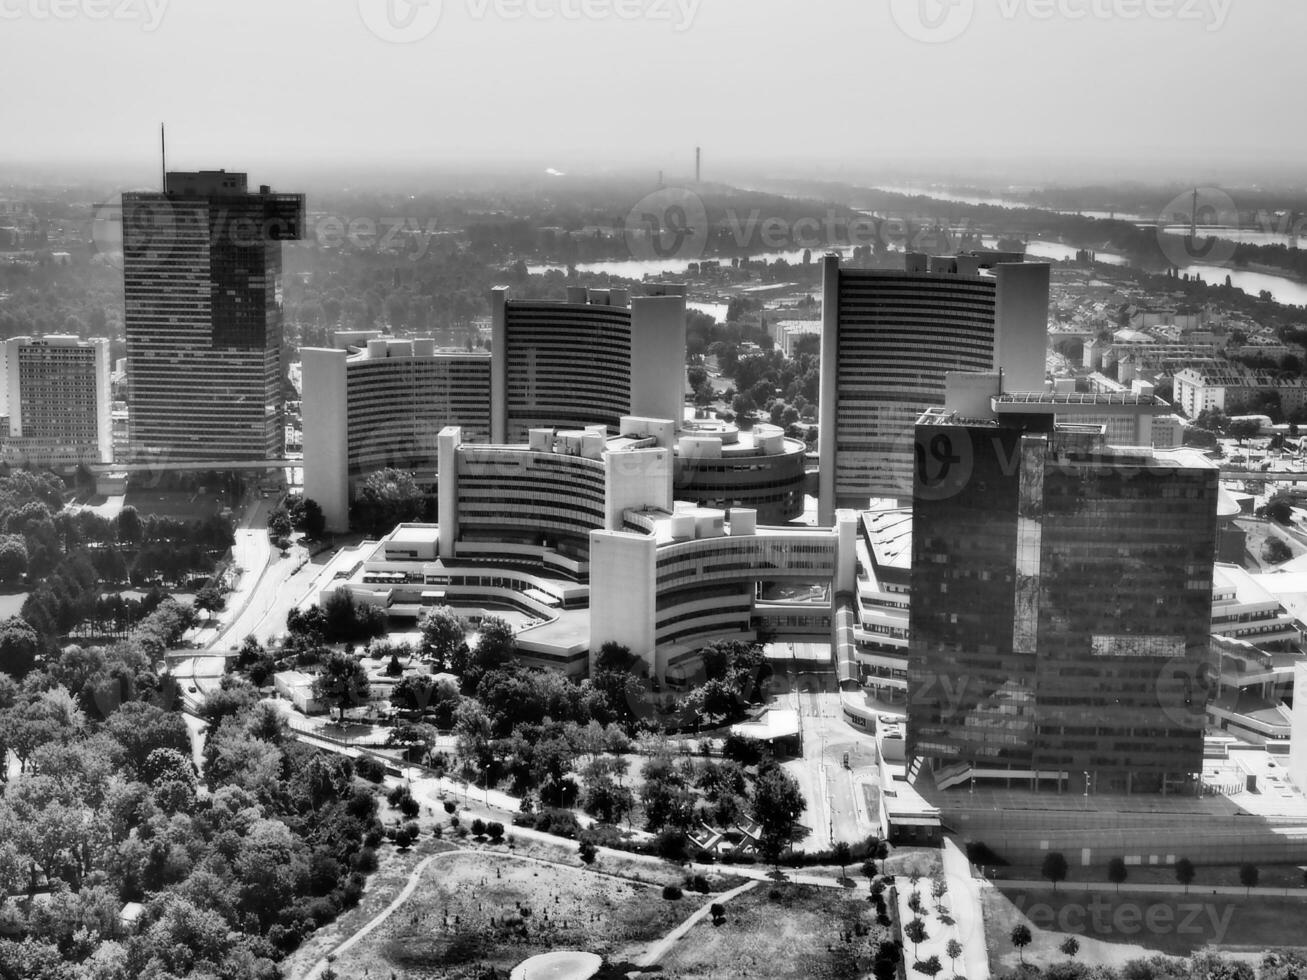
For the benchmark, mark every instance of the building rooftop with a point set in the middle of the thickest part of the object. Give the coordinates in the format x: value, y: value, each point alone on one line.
x: 1026, y: 400
x: 890, y: 535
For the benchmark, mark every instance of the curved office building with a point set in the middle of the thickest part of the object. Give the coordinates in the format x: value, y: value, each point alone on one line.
x: 889, y: 338
x: 719, y: 466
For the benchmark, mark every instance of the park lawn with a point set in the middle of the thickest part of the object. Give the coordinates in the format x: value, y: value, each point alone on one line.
x: 786, y: 932
x: 1114, y: 928
x: 492, y: 909
x: 393, y: 869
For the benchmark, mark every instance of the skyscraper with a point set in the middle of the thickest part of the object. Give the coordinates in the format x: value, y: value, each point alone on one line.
x: 1061, y: 604
x: 889, y: 338
x: 202, y: 289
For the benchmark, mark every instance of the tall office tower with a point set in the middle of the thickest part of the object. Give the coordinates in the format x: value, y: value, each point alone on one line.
x: 58, y: 401
x: 373, y: 402
x: 1061, y: 605
x: 888, y: 339
x: 598, y: 357
x: 202, y: 285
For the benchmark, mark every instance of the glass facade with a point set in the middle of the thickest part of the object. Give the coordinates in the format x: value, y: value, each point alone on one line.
x: 1061, y: 607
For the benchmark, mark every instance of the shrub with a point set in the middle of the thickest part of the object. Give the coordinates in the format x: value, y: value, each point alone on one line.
x: 409, y: 807
x: 478, y: 827
x: 454, y: 821
x: 373, y: 838
x: 365, y: 860
x: 450, y: 806
x: 588, y: 851
x: 699, y: 884
x: 702, y: 856
x: 369, y: 768
x: 672, y: 892
x: 496, y: 831
x: 717, y: 911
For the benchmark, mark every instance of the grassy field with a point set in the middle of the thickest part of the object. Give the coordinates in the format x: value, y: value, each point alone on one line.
x: 1114, y: 928
x: 485, y: 909
x: 786, y: 932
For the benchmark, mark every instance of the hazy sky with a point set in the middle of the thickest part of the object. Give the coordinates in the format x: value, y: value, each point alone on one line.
x: 1190, y: 89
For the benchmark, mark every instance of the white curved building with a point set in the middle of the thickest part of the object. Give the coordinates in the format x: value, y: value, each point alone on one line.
x: 888, y: 340
x: 372, y: 402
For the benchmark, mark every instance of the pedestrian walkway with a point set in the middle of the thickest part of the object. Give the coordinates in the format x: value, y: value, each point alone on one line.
x: 660, y: 948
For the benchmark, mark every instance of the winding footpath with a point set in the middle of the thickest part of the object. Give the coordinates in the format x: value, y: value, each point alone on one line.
x: 404, y: 895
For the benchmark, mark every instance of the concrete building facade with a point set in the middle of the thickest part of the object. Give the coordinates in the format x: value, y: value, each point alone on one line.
x: 599, y: 356
x: 58, y: 402
x: 373, y: 402
x: 889, y: 339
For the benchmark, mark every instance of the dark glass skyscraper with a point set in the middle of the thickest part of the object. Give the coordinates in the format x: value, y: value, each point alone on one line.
x: 1061, y: 605
x: 202, y: 289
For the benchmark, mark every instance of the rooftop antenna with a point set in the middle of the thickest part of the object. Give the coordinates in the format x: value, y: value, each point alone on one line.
x: 163, y: 155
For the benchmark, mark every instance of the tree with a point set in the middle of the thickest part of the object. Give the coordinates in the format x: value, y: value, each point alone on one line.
x: 13, y: 558
x: 916, y: 933
x: 387, y: 498
x: 309, y: 519
x: 1242, y: 429
x: 1054, y: 867
x: 588, y: 851
x: 954, y: 950
x: 1116, y: 872
x: 342, y: 682
x: 777, y: 805
x: 1249, y: 875
x: 19, y: 645
x: 1275, y: 552
x: 210, y: 599
x: 869, y: 870
x: 930, y: 967
x: 1070, y: 947
x: 1021, y: 938
x: 279, y: 524
x: 442, y: 632
x: 496, y: 644
x: 843, y: 854
x: 1185, y: 873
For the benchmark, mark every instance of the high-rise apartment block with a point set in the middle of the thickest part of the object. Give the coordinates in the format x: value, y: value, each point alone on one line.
x: 57, y: 399
x: 889, y: 338
x: 1061, y: 603
x: 202, y: 287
